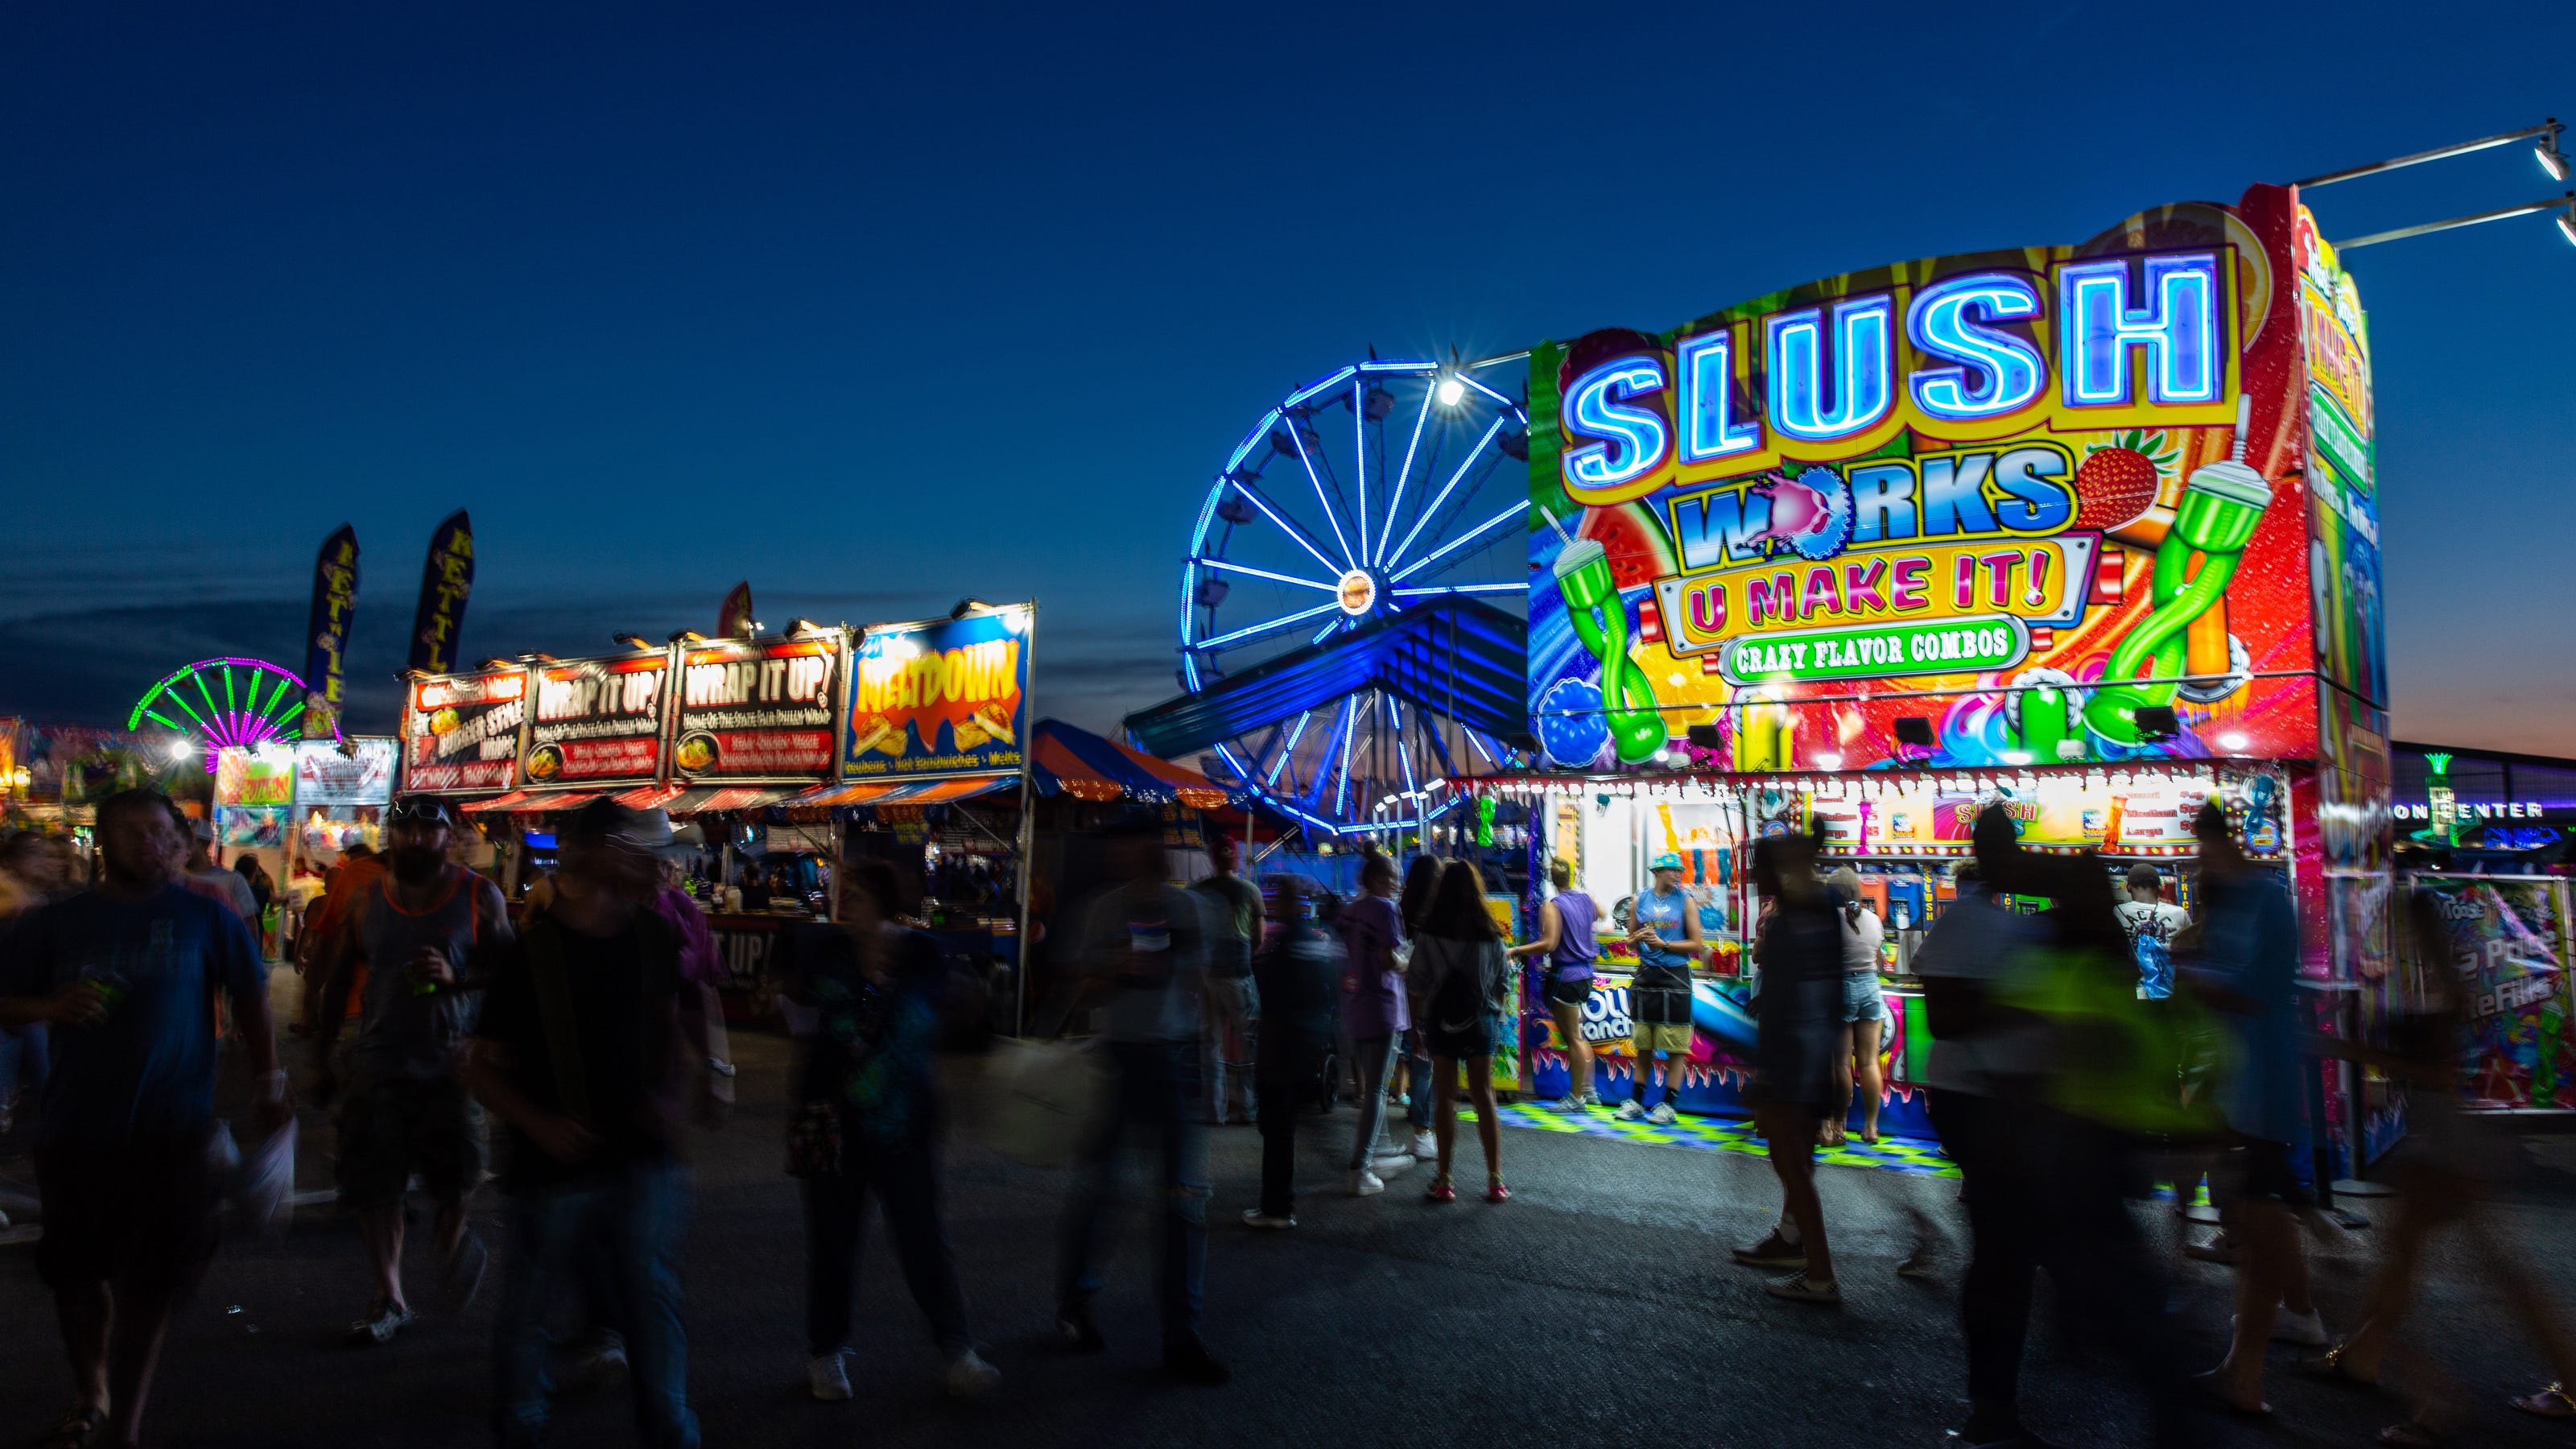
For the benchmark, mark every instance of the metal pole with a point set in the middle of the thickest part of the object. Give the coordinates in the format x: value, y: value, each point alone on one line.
x: 2548, y: 128
x: 1028, y: 820
x: 2400, y: 234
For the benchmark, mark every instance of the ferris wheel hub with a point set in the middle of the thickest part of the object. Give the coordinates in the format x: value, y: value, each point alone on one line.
x: 1357, y: 592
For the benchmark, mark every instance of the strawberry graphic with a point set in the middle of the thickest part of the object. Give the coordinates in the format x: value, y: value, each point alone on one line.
x: 2117, y: 481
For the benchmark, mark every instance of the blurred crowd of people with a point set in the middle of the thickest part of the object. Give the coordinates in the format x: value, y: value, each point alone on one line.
x: 2080, y: 1054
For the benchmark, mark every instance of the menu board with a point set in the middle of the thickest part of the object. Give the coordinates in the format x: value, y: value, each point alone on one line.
x: 754, y: 711
x: 947, y: 697
x: 460, y: 732
x: 597, y: 722
x: 324, y: 776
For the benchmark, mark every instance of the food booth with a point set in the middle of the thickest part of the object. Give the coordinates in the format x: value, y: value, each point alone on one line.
x: 2086, y: 531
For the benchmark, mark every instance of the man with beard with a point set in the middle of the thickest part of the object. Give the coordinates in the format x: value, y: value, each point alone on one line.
x: 427, y: 927
x: 124, y: 974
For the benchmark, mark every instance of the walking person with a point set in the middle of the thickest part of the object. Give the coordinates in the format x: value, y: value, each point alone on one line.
x: 1413, y: 903
x: 30, y: 875
x: 1143, y: 946
x: 867, y: 1124
x: 1665, y: 930
x: 350, y: 880
x: 1235, y: 927
x: 1374, y: 1017
x: 2152, y: 923
x: 2247, y: 970
x: 1864, y: 1012
x: 589, y: 1053
x: 1797, y: 1008
x: 1298, y: 971
x: 212, y: 880
x: 1565, y: 943
x: 430, y: 930
x: 123, y: 973
x: 1461, y: 982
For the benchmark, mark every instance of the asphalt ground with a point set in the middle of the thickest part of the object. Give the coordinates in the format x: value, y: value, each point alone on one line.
x: 1599, y: 1306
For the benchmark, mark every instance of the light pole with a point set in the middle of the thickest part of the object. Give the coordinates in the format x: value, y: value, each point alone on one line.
x: 2547, y: 151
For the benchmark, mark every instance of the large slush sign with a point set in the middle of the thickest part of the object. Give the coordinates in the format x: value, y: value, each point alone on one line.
x: 2021, y: 494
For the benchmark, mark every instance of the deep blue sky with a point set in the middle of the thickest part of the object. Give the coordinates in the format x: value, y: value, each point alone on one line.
x: 883, y: 305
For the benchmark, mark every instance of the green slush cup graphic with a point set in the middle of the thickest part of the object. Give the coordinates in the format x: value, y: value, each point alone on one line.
x: 2221, y: 506
x: 1592, y: 602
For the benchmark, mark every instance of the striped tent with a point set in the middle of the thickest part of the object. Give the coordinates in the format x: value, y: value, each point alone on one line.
x: 1069, y: 761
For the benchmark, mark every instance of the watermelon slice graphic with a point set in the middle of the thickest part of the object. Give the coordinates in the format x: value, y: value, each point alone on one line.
x: 1634, y: 538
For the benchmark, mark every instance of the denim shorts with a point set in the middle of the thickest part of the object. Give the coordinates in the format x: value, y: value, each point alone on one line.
x: 1861, y: 999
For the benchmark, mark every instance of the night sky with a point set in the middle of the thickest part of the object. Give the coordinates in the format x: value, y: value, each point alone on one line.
x: 881, y: 306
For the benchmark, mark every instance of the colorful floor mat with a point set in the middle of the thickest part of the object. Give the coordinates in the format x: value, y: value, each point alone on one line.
x: 1720, y: 1134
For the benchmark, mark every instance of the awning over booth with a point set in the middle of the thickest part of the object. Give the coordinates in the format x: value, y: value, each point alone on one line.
x: 904, y: 792
x: 1456, y: 657
x: 533, y: 802
x: 1069, y: 761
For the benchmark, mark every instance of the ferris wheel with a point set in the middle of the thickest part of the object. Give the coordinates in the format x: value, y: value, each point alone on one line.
x: 225, y: 703
x: 1368, y: 510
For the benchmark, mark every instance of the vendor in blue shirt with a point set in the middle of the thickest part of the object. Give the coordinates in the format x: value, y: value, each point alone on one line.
x: 1664, y: 927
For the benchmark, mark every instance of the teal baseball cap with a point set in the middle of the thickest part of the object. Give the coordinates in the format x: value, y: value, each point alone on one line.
x: 1666, y: 861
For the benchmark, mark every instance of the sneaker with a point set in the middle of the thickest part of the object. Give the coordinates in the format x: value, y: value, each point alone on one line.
x: 1440, y: 1191
x: 1365, y: 1183
x: 1256, y: 1218
x: 1799, y: 1288
x: 1426, y: 1148
x: 1390, y: 1164
x: 1079, y: 1333
x: 2220, y: 1249
x: 1772, y: 1252
x: 464, y: 1276
x: 1629, y: 1111
x: 382, y: 1322
x: 827, y: 1378
x: 1496, y: 1192
x: 1662, y: 1116
x: 1189, y: 1361
x: 2308, y: 1330
x: 970, y: 1377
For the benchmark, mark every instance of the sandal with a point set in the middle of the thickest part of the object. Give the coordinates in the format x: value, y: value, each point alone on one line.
x: 79, y: 1428
x: 2208, y: 1385
x: 2550, y: 1403
x: 2412, y: 1435
x: 2329, y: 1365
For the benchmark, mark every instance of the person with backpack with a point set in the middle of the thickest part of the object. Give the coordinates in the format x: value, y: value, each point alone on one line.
x: 1565, y: 943
x: 1462, y: 983
x: 1295, y: 974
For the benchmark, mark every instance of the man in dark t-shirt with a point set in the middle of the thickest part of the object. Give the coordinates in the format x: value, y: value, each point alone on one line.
x: 587, y: 1051
x: 127, y: 975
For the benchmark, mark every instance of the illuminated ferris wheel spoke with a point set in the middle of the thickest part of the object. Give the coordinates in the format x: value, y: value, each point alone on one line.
x: 1433, y: 591
x: 1270, y: 510
x: 1433, y: 510
x: 1516, y: 510
x: 1359, y: 454
x: 1297, y: 439
x: 1395, y: 502
x: 1267, y: 626
x: 252, y: 712
x: 1236, y: 568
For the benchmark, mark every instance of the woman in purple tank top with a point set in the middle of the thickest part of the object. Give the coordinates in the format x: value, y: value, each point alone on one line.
x: 1565, y: 940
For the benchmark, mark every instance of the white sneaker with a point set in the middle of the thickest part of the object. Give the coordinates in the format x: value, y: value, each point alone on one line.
x: 1629, y: 1111
x: 1391, y: 1164
x: 1662, y: 1116
x: 969, y: 1377
x: 1426, y: 1148
x: 1365, y: 1183
x: 1256, y: 1218
x: 828, y: 1378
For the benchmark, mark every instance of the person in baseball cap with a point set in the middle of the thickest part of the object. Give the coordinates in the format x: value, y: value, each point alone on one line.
x: 1664, y: 927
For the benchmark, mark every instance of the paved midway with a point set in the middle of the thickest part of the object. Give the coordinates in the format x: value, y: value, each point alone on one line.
x: 1597, y: 1308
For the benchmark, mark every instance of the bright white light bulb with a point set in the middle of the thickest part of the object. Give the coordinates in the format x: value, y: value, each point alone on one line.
x: 1451, y: 392
x: 2232, y: 742
x: 2016, y: 757
x: 181, y: 749
x: 1830, y: 762
x: 2551, y: 160
x: 1663, y: 757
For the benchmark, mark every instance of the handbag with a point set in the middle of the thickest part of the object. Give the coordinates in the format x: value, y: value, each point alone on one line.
x: 814, y: 1141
